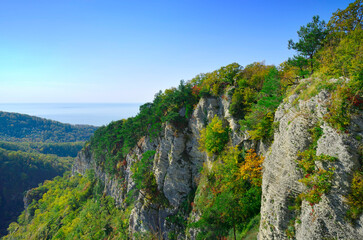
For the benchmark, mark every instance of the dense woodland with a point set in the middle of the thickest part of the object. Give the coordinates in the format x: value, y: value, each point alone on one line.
x: 26, y: 161
x: 229, y: 193
x: 20, y: 171
x: 17, y: 127
x: 63, y: 149
x: 72, y: 208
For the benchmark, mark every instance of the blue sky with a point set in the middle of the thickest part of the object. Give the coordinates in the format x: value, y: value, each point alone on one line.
x: 127, y: 50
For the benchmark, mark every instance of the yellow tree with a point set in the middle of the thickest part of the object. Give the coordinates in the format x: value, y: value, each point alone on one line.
x: 251, y: 169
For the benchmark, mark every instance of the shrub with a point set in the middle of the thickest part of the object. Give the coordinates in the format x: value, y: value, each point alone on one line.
x: 259, y: 121
x: 214, y: 137
x: 318, y: 181
x: 355, y: 198
x: 251, y: 169
x: 145, y: 181
x: 345, y: 101
x: 225, y: 200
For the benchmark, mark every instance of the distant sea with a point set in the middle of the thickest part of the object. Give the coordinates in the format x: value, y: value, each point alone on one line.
x: 96, y: 114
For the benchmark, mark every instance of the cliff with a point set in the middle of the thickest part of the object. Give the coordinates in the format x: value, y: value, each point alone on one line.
x: 282, y: 185
x: 176, y: 165
x: 286, y: 211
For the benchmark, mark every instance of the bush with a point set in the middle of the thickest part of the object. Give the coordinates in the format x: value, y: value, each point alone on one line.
x: 251, y: 169
x: 345, y: 101
x: 259, y: 121
x: 355, y: 198
x: 318, y: 181
x: 145, y: 181
x: 214, y: 137
x: 225, y: 200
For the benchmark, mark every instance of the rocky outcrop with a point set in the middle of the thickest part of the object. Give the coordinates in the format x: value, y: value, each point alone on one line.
x: 178, y: 161
x: 86, y: 161
x: 326, y: 219
x: 177, y: 164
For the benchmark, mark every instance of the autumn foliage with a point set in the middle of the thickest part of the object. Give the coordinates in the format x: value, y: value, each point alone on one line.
x: 251, y: 169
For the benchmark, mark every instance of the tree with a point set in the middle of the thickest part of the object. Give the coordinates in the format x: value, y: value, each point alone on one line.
x: 347, y: 20
x: 251, y: 169
x: 214, y: 137
x: 227, y: 198
x: 299, y: 62
x: 343, y: 50
x: 311, y: 39
x: 259, y: 121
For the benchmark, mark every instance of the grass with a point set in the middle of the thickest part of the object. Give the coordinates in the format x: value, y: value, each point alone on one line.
x: 310, y: 87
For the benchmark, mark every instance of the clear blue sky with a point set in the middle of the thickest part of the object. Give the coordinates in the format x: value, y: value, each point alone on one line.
x: 127, y: 50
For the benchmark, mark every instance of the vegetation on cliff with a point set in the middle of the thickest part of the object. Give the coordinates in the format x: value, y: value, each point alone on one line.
x: 227, y: 200
x: 228, y: 195
x: 71, y: 208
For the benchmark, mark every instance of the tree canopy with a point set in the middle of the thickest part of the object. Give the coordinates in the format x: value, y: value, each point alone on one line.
x: 347, y: 20
x: 311, y: 39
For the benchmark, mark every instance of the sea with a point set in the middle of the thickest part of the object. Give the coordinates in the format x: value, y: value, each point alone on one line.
x: 96, y: 114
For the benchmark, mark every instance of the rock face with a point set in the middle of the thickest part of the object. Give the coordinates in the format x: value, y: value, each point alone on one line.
x: 177, y: 164
x: 280, y: 185
x: 86, y: 161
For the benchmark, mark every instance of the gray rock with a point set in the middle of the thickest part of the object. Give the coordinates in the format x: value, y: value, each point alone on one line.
x: 280, y: 185
x: 177, y: 165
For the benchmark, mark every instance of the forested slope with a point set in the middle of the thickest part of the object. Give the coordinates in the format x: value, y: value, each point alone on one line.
x: 17, y: 127
x: 20, y: 171
x: 32, y: 150
x: 210, y: 158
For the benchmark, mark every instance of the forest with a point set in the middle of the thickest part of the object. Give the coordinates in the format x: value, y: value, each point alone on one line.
x: 227, y: 199
x: 32, y: 150
x: 15, y: 127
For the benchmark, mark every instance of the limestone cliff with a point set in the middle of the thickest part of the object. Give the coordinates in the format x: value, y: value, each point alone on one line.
x: 177, y: 164
x: 281, y: 174
x: 178, y: 161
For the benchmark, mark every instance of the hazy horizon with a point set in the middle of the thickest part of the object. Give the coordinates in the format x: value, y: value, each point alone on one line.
x: 96, y: 114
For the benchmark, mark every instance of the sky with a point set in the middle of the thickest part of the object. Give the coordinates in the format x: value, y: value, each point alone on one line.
x: 118, y: 51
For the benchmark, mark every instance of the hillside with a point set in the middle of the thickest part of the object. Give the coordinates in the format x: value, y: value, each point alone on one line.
x: 17, y: 127
x: 254, y: 151
x: 33, y: 150
x: 63, y: 149
x: 20, y: 171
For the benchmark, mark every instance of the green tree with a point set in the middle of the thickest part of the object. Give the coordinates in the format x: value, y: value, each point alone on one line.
x: 301, y: 63
x: 226, y: 199
x: 214, y: 137
x: 347, y: 20
x: 259, y: 121
x: 311, y: 39
x: 342, y: 54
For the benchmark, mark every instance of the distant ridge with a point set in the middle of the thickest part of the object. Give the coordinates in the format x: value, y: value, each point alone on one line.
x: 18, y: 127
